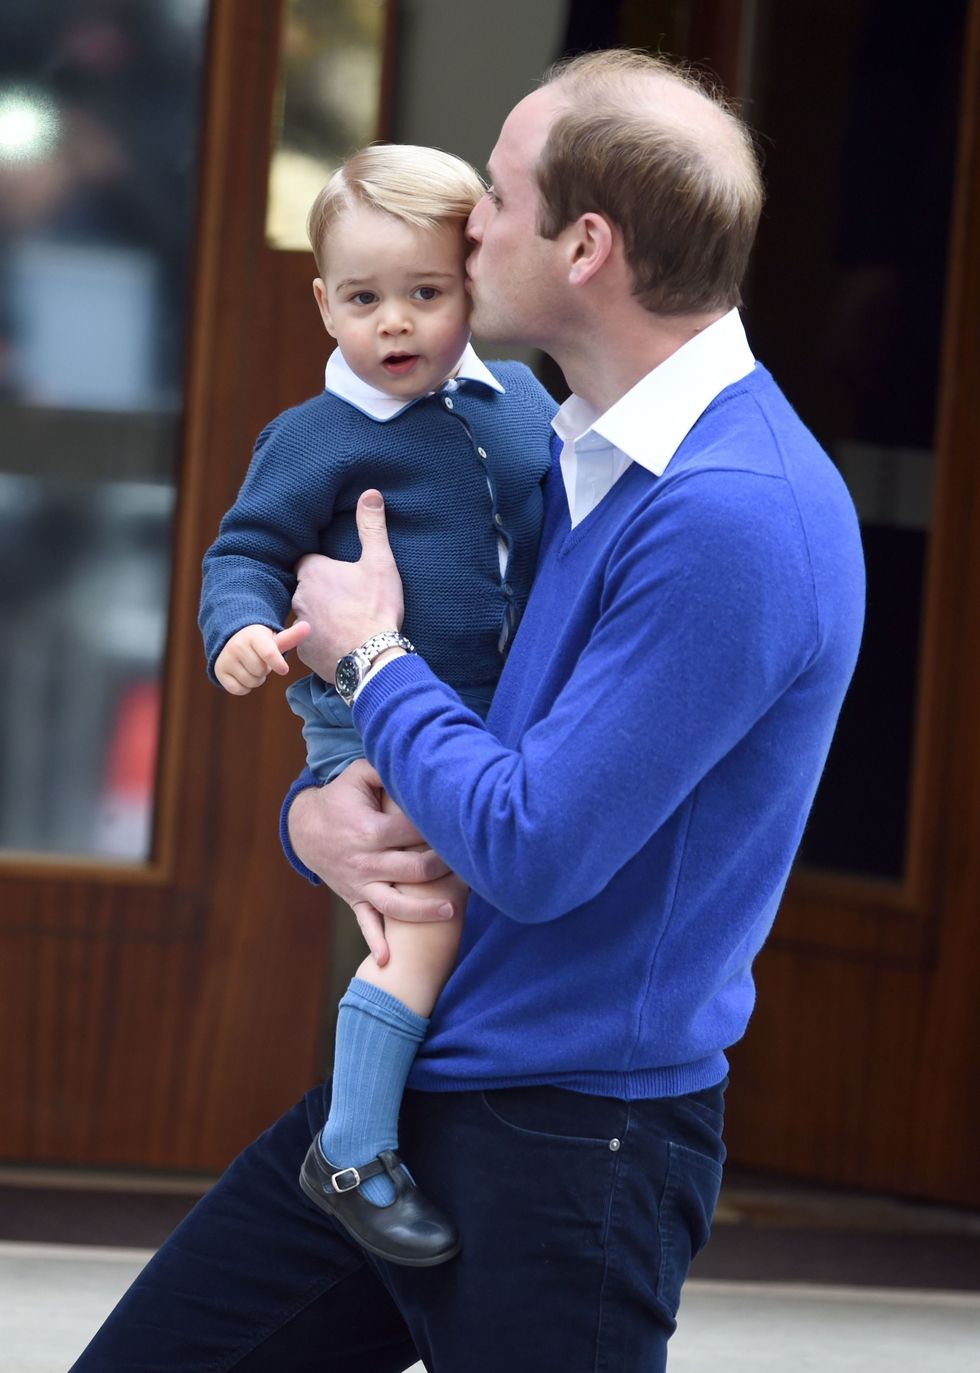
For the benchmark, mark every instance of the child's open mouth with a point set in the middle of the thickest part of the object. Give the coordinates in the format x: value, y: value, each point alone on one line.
x: 396, y: 364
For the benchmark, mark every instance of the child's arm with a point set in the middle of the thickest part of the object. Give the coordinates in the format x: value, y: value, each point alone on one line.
x: 250, y: 655
x: 285, y: 502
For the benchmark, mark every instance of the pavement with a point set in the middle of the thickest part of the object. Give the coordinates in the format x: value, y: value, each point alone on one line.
x: 54, y: 1297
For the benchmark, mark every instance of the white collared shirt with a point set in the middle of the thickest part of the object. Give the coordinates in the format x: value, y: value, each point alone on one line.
x: 651, y: 421
x: 341, y: 381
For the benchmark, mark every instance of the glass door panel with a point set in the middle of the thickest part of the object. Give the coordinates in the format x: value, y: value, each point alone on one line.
x: 856, y: 107
x: 99, y: 130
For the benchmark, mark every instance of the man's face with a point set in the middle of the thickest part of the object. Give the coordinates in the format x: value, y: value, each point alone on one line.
x: 514, y: 274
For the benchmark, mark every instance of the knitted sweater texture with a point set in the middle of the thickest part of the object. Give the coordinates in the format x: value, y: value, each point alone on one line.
x: 628, y: 815
x: 447, y: 502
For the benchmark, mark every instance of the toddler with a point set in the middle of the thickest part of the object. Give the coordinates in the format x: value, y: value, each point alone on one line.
x: 459, y: 449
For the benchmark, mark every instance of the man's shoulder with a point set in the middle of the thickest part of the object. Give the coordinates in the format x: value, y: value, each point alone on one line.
x: 749, y: 471
x: 753, y: 487
x: 751, y: 430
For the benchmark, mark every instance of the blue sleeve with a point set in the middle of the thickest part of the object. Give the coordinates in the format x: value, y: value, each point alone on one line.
x: 248, y: 572
x: 696, y: 634
x: 303, y: 781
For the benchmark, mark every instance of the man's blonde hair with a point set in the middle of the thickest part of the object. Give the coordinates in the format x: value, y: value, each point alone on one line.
x: 648, y: 144
x: 423, y: 187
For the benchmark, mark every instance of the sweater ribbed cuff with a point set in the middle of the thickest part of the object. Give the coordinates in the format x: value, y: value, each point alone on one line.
x: 303, y: 781
x: 406, y: 671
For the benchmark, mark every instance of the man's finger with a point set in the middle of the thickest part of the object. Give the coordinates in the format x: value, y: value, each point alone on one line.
x: 407, y: 866
x: 372, y: 927
x: 372, y: 527
x: 412, y: 909
x: 364, y: 775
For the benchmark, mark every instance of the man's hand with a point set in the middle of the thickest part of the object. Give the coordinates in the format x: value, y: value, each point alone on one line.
x: 340, y: 832
x: 250, y: 655
x: 345, y: 603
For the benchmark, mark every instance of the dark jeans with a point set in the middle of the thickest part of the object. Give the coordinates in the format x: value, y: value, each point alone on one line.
x: 579, y: 1216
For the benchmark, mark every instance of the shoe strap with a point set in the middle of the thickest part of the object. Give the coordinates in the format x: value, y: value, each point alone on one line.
x: 347, y: 1179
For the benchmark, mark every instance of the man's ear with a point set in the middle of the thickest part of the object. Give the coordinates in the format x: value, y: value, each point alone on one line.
x: 320, y: 296
x: 591, y: 240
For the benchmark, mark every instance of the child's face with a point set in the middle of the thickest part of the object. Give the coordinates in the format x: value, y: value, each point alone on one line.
x: 395, y: 301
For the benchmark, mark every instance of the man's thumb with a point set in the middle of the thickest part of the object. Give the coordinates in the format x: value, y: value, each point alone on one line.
x: 371, y: 524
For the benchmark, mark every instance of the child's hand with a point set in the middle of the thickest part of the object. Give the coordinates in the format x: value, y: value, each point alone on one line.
x: 250, y: 655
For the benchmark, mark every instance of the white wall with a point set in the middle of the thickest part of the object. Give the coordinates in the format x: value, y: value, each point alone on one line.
x: 462, y: 65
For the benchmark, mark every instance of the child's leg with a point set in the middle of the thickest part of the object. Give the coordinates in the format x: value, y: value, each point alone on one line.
x: 382, y: 1022
x: 379, y: 1032
x: 422, y: 953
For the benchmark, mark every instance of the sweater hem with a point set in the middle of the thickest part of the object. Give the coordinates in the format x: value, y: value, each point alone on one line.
x: 639, y: 1085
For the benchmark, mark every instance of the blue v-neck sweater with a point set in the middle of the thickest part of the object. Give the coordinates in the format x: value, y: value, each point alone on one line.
x: 628, y: 815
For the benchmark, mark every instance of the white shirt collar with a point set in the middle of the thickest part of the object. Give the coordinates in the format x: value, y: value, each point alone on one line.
x: 341, y: 381
x: 651, y: 421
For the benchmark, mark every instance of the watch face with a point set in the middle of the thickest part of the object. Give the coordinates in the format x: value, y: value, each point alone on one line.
x: 347, y: 677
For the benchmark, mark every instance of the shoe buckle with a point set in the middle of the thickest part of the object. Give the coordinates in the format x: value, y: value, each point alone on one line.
x: 345, y: 1180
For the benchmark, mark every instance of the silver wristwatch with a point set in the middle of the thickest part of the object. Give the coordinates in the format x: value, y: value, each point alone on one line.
x: 352, y: 668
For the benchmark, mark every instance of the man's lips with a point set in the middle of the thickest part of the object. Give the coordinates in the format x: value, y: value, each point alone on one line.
x: 398, y: 363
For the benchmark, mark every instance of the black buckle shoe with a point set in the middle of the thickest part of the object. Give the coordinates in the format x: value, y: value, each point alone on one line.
x: 409, y: 1230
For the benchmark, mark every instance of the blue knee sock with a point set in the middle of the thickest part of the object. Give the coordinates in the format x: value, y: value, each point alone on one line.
x: 376, y: 1043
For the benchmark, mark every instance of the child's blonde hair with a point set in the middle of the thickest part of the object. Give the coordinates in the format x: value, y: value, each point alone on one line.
x: 424, y: 187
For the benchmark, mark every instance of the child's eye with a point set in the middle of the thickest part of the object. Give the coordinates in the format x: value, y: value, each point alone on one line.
x: 494, y: 197
x: 425, y: 292
x: 364, y: 298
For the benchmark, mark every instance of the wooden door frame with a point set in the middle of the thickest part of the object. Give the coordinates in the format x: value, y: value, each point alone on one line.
x: 162, y: 1013
x: 884, y: 920
x: 857, y: 1064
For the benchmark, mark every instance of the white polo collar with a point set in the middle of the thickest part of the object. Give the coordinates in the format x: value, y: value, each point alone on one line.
x: 341, y: 381
x: 651, y: 421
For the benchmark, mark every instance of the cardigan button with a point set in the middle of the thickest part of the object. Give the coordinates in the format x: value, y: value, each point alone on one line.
x: 449, y: 404
x: 498, y: 520
x: 483, y: 453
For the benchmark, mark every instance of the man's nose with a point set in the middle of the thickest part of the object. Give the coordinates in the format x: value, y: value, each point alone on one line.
x: 474, y: 225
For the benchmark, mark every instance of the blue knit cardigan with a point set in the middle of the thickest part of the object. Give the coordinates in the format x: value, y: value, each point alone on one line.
x: 458, y: 470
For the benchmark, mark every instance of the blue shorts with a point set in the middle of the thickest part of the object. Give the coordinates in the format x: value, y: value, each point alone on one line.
x: 332, y: 740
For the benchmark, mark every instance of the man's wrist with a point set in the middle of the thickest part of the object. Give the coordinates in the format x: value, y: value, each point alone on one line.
x: 353, y: 668
x: 389, y: 655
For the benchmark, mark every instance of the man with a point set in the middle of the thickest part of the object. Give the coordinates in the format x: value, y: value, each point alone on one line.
x: 626, y: 819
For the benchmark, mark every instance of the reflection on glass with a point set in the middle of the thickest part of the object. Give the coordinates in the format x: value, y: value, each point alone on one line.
x: 854, y: 236
x: 98, y: 142
x: 328, y: 103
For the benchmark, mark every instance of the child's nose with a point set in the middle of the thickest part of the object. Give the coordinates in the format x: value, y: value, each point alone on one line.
x: 395, y: 319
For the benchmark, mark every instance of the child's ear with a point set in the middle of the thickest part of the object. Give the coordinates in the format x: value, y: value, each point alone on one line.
x: 320, y: 296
